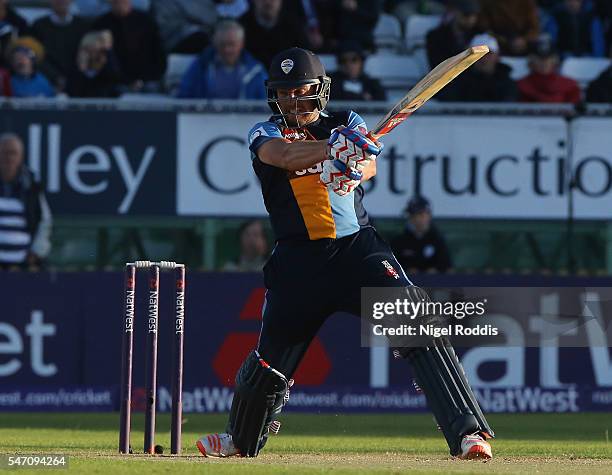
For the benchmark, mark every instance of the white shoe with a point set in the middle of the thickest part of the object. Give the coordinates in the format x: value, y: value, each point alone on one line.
x: 217, y: 445
x: 474, y: 447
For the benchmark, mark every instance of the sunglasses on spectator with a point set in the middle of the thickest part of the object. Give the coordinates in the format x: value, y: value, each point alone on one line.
x: 27, y: 51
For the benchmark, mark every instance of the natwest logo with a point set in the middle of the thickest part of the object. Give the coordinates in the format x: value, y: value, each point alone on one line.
x: 12, y: 346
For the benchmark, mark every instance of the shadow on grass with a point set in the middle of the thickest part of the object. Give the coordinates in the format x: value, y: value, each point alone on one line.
x: 588, y: 426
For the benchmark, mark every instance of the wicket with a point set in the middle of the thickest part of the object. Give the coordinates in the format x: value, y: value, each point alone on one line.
x: 154, y: 269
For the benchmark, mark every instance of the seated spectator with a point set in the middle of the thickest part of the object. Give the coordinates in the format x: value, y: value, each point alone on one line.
x: 576, y: 30
x: 225, y: 70
x: 421, y: 247
x: 136, y: 44
x: 24, y: 56
x: 185, y: 26
x: 488, y: 80
x: 267, y: 32
x: 96, y: 73
x: 253, y: 248
x: 25, y: 218
x: 350, y: 83
x: 600, y: 89
x: 453, y: 37
x: 514, y: 23
x: 60, y: 33
x: 544, y: 83
x: 356, y: 20
x: 94, y: 8
x: 232, y: 9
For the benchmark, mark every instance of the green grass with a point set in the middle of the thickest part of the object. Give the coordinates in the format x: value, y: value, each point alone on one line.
x: 339, y: 444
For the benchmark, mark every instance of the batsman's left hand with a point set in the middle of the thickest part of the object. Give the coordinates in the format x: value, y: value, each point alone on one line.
x: 352, y: 148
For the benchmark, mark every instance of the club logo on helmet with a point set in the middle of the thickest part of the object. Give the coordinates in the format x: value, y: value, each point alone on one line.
x: 287, y: 65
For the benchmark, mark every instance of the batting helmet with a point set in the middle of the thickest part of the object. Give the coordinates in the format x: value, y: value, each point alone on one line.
x: 293, y: 68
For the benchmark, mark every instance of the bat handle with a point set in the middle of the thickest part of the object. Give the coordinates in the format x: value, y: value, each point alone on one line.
x: 372, y: 136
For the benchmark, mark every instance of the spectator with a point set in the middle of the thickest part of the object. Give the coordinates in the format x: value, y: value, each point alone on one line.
x: 232, y: 9
x: 96, y: 73
x: 356, y: 20
x: 225, y: 70
x: 136, y: 43
x: 544, y: 83
x: 488, y: 80
x: 267, y: 32
x: 60, y: 33
x: 25, y: 218
x: 600, y: 90
x: 253, y: 248
x: 421, y: 247
x: 185, y: 26
x: 350, y: 83
x: 576, y: 30
x: 24, y: 55
x: 452, y: 37
x: 514, y: 23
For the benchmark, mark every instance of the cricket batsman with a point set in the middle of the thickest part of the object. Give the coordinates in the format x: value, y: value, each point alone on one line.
x: 311, y: 164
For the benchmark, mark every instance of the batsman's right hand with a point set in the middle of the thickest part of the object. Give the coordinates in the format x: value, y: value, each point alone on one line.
x: 340, y: 181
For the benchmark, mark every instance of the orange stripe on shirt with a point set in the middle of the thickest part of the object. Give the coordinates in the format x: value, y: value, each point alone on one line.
x: 313, y: 201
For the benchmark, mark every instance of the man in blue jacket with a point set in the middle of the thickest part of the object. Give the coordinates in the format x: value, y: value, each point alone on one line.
x: 225, y: 70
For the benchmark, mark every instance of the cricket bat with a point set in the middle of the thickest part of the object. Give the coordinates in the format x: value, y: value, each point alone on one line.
x: 427, y: 87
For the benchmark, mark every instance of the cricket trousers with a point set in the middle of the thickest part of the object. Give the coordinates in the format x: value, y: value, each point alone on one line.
x: 307, y: 281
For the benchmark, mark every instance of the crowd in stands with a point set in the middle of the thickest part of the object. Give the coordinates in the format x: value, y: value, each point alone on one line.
x: 106, y: 48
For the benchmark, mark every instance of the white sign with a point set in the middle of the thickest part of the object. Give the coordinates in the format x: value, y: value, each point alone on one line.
x: 469, y: 167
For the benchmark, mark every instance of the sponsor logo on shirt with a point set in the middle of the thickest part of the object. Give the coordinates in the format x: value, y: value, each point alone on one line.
x: 391, y: 272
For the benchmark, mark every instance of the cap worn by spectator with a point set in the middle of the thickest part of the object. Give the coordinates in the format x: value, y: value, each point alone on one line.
x: 416, y: 205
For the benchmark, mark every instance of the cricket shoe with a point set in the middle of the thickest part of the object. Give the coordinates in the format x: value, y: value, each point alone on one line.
x: 217, y: 445
x: 474, y: 447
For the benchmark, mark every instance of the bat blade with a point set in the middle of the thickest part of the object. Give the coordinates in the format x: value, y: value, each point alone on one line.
x: 427, y: 87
